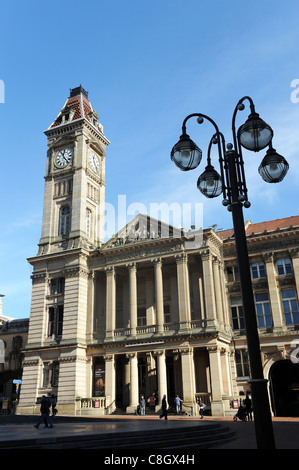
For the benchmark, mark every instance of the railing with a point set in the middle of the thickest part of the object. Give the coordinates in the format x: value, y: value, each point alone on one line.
x: 94, y: 402
x: 205, y: 398
x: 194, y: 325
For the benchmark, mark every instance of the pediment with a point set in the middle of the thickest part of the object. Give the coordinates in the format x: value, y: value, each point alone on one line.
x: 143, y: 228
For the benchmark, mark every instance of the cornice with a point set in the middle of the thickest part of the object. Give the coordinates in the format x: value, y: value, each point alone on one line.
x: 73, y: 126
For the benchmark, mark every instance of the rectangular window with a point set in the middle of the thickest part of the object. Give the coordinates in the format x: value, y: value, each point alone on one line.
x: 141, y: 317
x: 242, y: 363
x: 167, y: 313
x: 55, y: 321
x: 57, y: 286
x: 51, y: 321
x: 284, y: 266
x: 64, y: 221
x: 55, y: 374
x: 46, y: 374
x: 237, y: 313
x: 50, y: 374
x: 258, y: 271
x: 290, y: 306
x: 263, y: 310
x: 233, y: 274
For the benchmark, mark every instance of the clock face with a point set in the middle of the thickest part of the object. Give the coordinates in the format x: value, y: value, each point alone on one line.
x: 94, y: 162
x: 64, y: 157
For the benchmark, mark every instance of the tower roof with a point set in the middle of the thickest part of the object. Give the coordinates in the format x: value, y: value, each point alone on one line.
x: 76, y: 107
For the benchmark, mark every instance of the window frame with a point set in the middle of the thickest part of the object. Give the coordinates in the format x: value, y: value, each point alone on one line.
x: 242, y: 365
x: 55, y: 321
x: 284, y: 266
x: 237, y: 313
x: 64, y: 225
x: 287, y: 304
x: 261, y: 306
x: 259, y: 272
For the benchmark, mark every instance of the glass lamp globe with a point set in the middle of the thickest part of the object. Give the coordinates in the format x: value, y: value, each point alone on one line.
x: 255, y: 134
x: 185, y: 154
x: 209, y: 183
x: 274, y: 167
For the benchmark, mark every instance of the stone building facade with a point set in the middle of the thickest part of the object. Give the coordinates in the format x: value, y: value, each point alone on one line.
x: 146, y: 313
x: 13, y: 338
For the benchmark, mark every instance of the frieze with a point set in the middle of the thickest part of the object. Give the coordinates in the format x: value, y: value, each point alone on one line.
x: 74, y: 359
x: 144, y: 253
x: 254, y: 248
x: 30, y: 362
x: 77, y: 271
x: 39, y: 278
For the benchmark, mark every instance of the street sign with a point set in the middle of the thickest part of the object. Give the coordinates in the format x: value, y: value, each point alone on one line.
x: 17, y: 381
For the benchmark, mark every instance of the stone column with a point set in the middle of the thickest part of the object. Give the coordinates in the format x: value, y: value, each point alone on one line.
x: 91, y: 301
x: 183, y: 291
x: 294, y: 252
x: 209, y: 291
x: 134, y: 392
x: 188, y: 379
x: 133, y: 297
x: 226, y: 315
x: 217, y: 285
x: 217, y: 406
x: 162, y: 376
x: 110, y: 381
x: 110, y: 301
x: 273, y: 291
x: 159, y: 295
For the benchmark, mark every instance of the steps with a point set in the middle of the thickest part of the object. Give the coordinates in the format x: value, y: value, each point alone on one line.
x: 180, y: 437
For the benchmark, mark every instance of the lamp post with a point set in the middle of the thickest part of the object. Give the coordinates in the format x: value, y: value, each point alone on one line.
x: 253, y: 135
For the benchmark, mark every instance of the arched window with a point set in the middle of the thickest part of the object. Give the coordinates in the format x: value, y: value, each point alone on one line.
x: 64, y: 221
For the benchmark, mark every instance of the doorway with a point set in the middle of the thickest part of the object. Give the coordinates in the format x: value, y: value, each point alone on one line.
x: 284, y: 388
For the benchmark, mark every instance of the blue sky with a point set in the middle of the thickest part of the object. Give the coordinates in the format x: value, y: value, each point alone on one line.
x: 146, y: 65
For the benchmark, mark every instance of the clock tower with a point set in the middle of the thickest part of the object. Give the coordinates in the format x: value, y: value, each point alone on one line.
x: 61, y: 312
x: 74, y: 198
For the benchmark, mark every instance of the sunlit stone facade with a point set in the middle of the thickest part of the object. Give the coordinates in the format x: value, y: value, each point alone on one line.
x: 145, y: 313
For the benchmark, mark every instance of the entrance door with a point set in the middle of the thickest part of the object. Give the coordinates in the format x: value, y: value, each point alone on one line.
x: 284, y: 388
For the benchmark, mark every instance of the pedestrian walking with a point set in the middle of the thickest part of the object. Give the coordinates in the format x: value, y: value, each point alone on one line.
x: 201, y: 408
x: 53, y: 404
x: 142, y: 405
x: 178, y: 402
x: 45, y: 413
x: 164, y: 408
x: 248, y: 409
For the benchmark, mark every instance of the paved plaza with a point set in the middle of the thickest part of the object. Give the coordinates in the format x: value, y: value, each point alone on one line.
x: 21, y: 429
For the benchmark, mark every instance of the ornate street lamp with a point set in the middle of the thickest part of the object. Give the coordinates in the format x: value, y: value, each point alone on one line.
x: 253, y: 135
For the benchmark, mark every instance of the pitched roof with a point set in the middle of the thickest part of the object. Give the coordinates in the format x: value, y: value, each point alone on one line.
x: 80, y: 108
x: 262, y: 227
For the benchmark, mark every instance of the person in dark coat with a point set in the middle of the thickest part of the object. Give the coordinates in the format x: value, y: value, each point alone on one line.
x: 164, y: 408
x: 45, y: 412
x: 248, y: 408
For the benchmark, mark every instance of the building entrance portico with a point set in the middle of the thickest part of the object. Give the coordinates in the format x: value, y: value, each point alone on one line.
x: 182, y: 371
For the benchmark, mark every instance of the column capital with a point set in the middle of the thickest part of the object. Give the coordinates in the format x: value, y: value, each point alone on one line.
x: 294, y: 252
x: 268, y: 257
x: 131, y: 266
x: 159, y: 352
x: 157, y: 262
x: 108, y: 357
x: 205, y: 255
x: 185, y: 350
x: 214, y: 348
x: 110, y: 270
x: 181, y: 258
x: 131, y: 355
x: 215, y: 260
